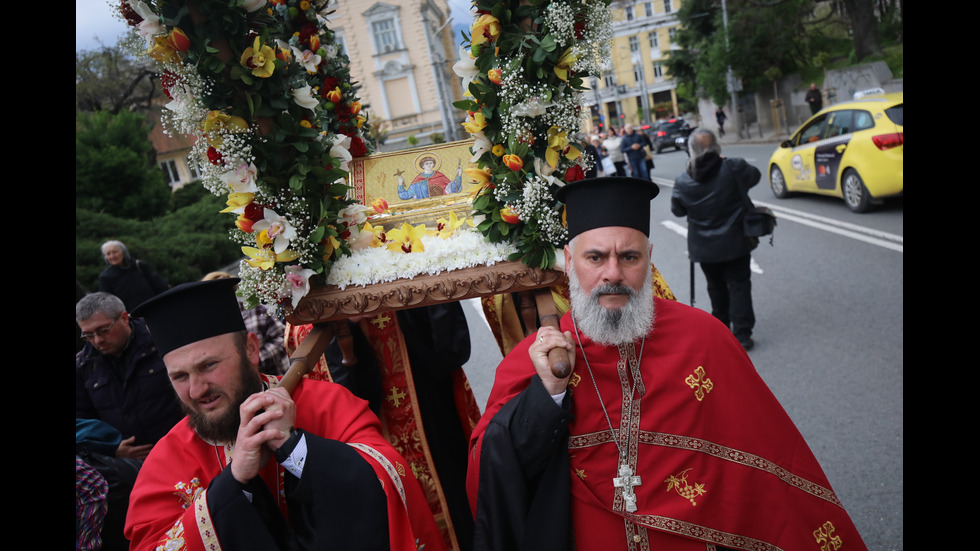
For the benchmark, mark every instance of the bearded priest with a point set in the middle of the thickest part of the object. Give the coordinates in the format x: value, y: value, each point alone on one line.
x: 663, y: 436
x: 252, y: 466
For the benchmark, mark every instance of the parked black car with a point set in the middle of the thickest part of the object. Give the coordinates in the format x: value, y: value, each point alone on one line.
x: 665, y: 133
x: 681, y: 141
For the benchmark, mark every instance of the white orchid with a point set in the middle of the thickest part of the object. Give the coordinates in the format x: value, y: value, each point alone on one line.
x: 340, y: 149
x: 151, y: 25
x: 466, y: 68
x: 241, y: 179
x: 298, y: 283
x: 480, y: 146
x: 254, y: 5
x: 308, y: 59
x: 304, y: 97
x: 544, y: 170
x: 354, y: 214
x: 533, y: 107
x: 277, y: 229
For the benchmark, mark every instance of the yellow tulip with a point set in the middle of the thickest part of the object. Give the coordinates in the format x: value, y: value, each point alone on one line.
x: 480, y: 176
x: 475, y: 122
x: 163, y: 50
x: 513, y: 162
x: 487, y: 27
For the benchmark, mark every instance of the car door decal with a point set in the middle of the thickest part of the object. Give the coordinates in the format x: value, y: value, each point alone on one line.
x: 827, y: 158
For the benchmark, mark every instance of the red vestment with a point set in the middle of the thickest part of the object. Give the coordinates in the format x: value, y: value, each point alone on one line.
x: 720, y: 461
x: 170, y: 503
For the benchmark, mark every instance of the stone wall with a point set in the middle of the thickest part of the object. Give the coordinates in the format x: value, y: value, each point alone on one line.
x: 757, y: 113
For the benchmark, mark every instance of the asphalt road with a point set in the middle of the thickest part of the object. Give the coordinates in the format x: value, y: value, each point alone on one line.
x: 829, y: 338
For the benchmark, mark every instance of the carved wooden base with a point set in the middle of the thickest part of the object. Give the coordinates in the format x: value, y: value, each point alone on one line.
x: 327, y: 302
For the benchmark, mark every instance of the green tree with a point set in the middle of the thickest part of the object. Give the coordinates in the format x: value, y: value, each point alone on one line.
x: 115, y: 166
x: 761, y: 34
x: 107, y: 79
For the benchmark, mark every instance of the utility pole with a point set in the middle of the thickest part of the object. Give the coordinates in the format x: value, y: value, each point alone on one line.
x: 730, y: 75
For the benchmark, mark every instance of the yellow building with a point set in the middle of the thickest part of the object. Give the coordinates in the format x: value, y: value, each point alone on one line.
x: 636, y: 88
x: 401, y: 54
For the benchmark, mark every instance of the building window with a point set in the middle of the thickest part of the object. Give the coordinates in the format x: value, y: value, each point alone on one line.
x: 648, y: 7
x: 629, y: 13
x: 667, y: 6
x: 671, y: 33
x: 610, y: 80
x: 385, y: 35
x: 638, y: 72
x: 658, y: 69
x: 654, y: 41
x: 192, y: 168
x: 634, y: 44
x: 170, y: 174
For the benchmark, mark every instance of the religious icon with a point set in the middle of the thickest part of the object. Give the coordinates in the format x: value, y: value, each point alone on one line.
x: 429, y: 182
x: 416, y: 185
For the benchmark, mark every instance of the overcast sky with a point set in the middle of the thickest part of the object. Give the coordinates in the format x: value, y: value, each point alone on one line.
x: 94, y: 21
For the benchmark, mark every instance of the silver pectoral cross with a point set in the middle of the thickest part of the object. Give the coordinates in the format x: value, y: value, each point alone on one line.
x: 626, y: 481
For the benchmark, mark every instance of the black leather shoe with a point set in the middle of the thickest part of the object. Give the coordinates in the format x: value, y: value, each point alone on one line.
x: 747, y: 343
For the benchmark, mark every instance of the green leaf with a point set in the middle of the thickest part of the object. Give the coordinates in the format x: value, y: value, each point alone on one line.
x: 317, y: 234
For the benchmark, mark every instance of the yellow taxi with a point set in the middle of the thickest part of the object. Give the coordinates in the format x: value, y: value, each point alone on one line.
x: 853, y: 150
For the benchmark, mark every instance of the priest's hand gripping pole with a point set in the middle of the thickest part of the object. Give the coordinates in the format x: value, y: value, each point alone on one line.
x: 548, y: 315
x: 308, y: 353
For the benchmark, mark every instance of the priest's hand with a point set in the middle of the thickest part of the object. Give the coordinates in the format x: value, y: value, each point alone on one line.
x: 546, y: 339
x: 267, y: 418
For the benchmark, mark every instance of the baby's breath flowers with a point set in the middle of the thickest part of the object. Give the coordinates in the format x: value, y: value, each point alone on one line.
x: 524, y: 71
x: 262, y: 88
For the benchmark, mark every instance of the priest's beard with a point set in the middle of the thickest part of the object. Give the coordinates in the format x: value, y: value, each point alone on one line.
x: 612, y: 326
x: 223, y: 428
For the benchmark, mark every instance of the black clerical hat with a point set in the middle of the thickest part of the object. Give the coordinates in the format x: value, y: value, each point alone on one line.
x: 191, y: 312
x: 612, y: 201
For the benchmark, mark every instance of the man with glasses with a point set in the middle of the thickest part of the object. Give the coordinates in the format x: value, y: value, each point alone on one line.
x: 123, y: 401
x: 120, y: 378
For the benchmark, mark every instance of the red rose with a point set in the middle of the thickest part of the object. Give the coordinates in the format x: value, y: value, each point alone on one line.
x: 214, y: 156
x: 168, y: 80
x: 574, y: 174
x: 343, y: 112
x: 129, y: 14
x: 329, y: 83
x: 357, y: 148
x: 254, y: 211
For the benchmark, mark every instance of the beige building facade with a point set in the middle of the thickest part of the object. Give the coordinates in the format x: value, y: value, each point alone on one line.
x: 636, y: 88
x: 401, y: 54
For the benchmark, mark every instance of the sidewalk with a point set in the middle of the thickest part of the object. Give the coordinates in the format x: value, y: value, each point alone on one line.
x: 750, y: 137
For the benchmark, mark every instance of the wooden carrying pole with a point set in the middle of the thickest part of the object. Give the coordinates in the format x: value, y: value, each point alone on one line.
x: 548, y: 316
x: 308, y: 353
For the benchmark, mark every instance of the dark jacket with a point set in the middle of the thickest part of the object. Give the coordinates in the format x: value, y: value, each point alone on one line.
x: 133, y: 284
x: 132, y: 393
x: 711, y: 199
x: 626, y: 146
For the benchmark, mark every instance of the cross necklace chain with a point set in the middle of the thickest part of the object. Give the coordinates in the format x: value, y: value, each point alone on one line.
x: 626, y: 480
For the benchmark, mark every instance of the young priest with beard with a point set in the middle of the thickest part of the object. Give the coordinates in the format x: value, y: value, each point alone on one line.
x: 253, y: 467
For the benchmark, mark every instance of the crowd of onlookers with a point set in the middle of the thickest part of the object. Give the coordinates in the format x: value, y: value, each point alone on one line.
x: 621, y: 151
